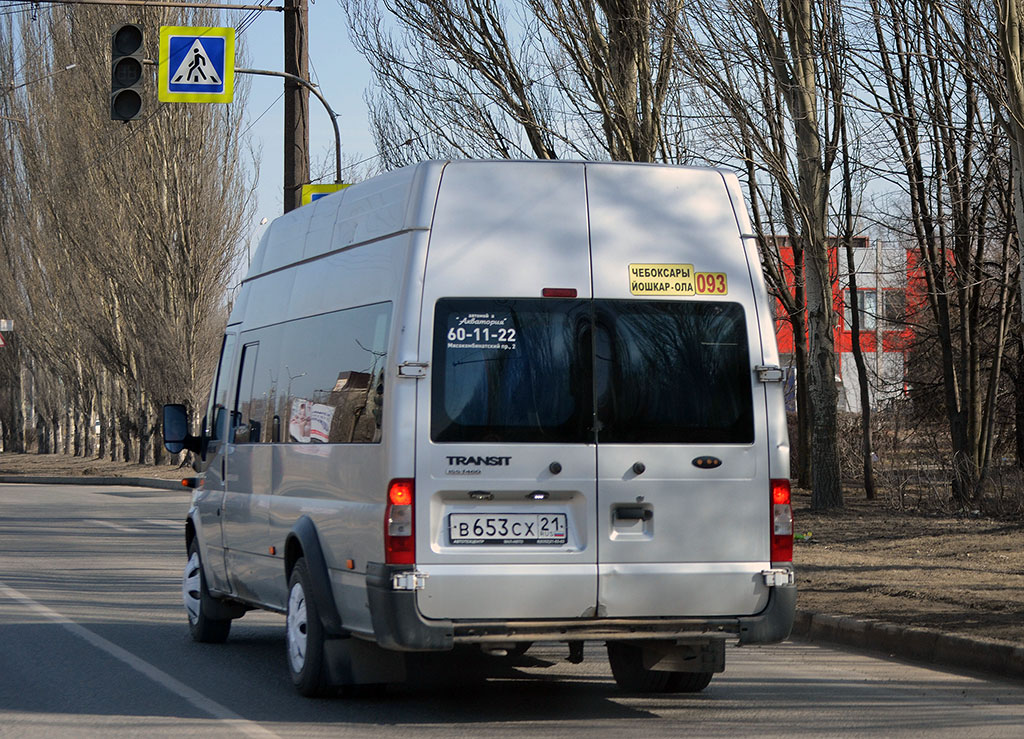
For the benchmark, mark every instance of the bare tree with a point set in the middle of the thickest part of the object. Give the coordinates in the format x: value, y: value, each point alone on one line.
x: 1010, y: 38
x: 533, y: 78
x: 954, y: 172
x: 124, y: 235
x: 760, y: 74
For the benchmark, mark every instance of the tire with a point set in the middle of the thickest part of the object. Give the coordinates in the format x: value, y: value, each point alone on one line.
x: 304, y: 636
x: 519, y: 648
x: 195, y: 595
x: 688, y: 682
x: 627, y: 665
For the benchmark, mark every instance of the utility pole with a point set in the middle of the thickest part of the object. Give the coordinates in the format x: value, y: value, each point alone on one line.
x: 296, y: 102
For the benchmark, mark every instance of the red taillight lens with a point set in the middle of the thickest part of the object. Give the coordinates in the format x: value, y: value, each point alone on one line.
x: 782, y: 522
x: 400, y: 492
x: 399, y: 532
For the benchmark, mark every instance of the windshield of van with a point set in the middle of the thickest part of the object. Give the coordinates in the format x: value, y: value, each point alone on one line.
x: 533, y: 370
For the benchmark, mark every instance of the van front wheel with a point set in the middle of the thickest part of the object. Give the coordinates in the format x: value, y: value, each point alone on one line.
x: 305, y: 635
x: 630, y: 675
x: 194, y: 593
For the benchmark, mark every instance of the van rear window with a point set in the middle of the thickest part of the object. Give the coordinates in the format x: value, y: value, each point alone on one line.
x: 581, y: 371
x: 673, y: 372
x: 512, y: 370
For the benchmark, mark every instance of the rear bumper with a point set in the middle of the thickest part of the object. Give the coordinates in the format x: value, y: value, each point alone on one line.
x: 398, y: 623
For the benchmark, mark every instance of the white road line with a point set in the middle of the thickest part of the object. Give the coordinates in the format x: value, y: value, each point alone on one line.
x: 194, y: 697
x: 116, y: 527
x: 168, y: 522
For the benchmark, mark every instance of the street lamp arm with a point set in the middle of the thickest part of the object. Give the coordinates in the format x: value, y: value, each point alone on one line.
x: 312, y: 88
x: 12, y: 87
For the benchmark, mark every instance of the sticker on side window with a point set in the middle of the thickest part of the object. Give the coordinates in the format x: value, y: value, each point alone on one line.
x: 481, y: 331
x: 675, y: 279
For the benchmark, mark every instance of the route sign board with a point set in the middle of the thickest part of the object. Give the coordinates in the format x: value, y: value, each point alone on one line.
x: 315, y: 192
x: 196, y: 65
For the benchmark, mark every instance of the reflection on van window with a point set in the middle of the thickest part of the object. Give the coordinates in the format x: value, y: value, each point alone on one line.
x: 673, y: 372
x: 534, y: 370
x: 323, y: 383
x: 511, y: 370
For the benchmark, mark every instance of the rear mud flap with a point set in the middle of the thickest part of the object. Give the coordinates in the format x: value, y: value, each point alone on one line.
x: 356, y: 662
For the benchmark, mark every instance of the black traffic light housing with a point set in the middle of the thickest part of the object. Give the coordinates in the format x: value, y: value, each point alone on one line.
x: 126, y: 72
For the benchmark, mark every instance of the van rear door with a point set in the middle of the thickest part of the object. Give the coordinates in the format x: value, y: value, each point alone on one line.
x: 682, y: 470
x: 505, y: 489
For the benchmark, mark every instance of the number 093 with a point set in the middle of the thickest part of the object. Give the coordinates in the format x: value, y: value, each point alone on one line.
x: 711, y: 283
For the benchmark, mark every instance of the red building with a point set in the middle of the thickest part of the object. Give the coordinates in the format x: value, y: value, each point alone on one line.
x: 890, y: 285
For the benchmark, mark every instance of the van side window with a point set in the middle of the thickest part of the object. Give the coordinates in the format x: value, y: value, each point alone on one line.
x: 216, y: 413
x: 330, y: 378
x: 245, y: 421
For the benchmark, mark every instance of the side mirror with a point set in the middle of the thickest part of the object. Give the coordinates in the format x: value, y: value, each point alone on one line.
x: 176, y: 435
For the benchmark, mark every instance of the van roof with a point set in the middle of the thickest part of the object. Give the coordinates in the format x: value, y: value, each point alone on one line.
x: 394, y: 202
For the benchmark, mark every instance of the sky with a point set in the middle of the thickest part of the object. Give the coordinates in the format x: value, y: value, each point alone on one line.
x: 342, y: 75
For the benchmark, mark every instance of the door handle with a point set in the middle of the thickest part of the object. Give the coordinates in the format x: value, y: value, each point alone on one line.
x: 633, y: 513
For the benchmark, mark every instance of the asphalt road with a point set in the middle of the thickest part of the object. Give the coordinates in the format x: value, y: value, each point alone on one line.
x: 94, y: 642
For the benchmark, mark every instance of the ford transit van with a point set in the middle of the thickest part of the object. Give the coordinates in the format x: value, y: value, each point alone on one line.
x: 493, y: 403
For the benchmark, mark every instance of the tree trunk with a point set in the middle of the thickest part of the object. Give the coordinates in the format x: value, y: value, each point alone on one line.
x: 1019, y: 397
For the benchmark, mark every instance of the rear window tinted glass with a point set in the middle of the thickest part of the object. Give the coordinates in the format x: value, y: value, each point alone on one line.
x: 533, y: 370
x: 512, y: 370
x: 673, y: 372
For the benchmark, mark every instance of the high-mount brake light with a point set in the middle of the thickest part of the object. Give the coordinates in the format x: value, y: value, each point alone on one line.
x: 782, y: 522
x: 558, y: 292
x: 399, y: 531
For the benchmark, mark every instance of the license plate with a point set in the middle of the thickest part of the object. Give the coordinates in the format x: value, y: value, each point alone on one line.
x: 507, y: 528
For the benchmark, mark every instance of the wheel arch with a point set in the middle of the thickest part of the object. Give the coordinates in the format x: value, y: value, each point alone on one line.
x: 190, y: 531
x: 303, y: 541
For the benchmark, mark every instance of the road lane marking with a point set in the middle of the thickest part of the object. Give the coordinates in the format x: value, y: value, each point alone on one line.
x: 192, y: 696
x: 168, y: 522
x: 116, y: 527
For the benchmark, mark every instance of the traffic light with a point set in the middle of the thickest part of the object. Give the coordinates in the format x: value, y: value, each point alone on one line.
x: 126, y: 72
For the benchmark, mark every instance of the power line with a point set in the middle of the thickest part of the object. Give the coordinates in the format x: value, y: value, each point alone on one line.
x: 249, y: 19
x: 253, y: 123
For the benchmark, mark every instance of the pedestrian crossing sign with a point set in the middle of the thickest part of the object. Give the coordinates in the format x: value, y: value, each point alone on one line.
x: 196, y: 65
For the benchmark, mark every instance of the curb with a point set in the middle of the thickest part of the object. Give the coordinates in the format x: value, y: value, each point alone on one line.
x: 913, y: 643
x: 141, y: 482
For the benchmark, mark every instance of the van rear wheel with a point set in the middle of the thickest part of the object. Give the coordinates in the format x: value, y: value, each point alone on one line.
x: 194, y: 593
x: 304, y: 635
x: 630, y: 675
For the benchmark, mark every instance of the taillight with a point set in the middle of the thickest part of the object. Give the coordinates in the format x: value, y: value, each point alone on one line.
x: 399, y: 533
x: 782, y: 522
